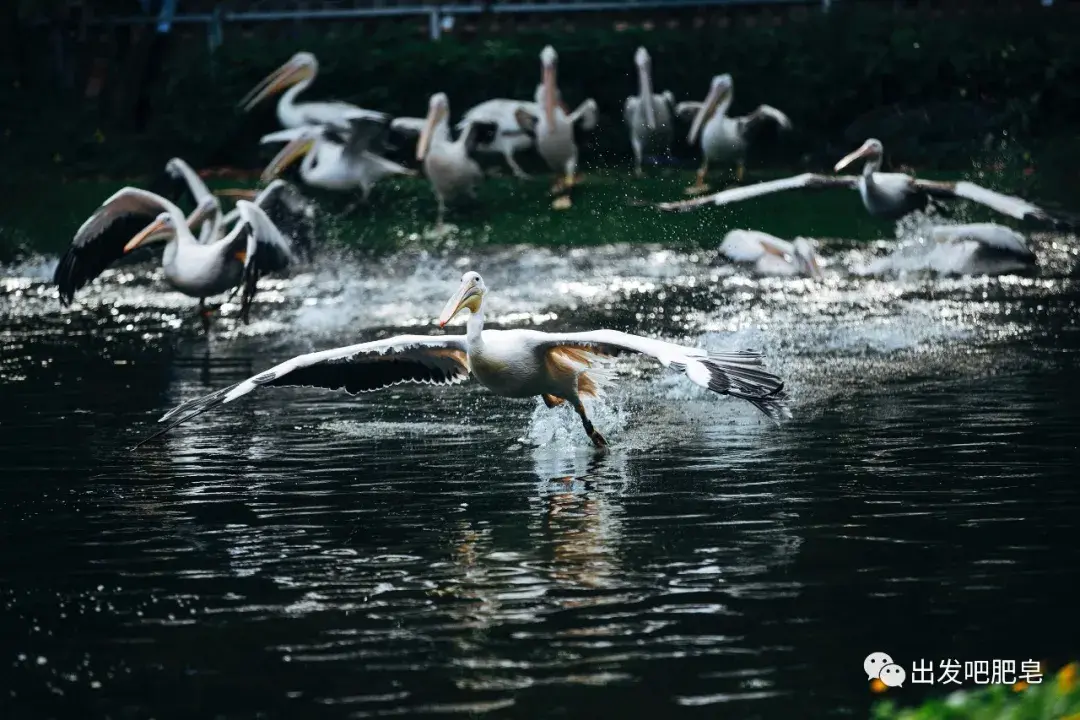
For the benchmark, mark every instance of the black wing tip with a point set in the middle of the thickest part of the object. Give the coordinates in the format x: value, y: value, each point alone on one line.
x: 741, y: 374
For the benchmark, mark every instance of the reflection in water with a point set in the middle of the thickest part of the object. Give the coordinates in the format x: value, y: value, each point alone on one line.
x: 429, y: 550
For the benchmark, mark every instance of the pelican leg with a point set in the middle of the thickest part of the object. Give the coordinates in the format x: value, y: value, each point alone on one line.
x: 205, y: 314
x: 592, y: 432
x: 518, y: 172
x: 699, y: 186
x: 638, y: 171
x: 442, y: 213
x: 740, y: 171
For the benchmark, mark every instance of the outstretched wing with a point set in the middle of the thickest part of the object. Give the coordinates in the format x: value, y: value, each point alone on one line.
x: 740, y: 374
x: 434, y: 360
x: 764, y: 115
x: 364, y: 135
x: 265, y: 250
x: 1006, y: 204
x: 809, y: 181
x: 585, y: 116
x: 991, y: 235
x: 408, y: 125
x: 100, y: 240
x: 292, y: 214
x: 527, y: 121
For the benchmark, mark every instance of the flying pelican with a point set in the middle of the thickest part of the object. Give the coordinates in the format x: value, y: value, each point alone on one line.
x: 972, y: 249
x: 554, y: 128
x: 510, y: 137
x: 885, y: 195
x: 297, y: 74
x: 722, y: 136
x: 648, y: 114
x: 337, y: 159
x: 448, y: 163
x: 559, y: 367
x: 771, y: 255
x: 254, y: 246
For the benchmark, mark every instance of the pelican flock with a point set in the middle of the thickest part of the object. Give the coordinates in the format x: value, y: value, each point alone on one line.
x: 342, y: 147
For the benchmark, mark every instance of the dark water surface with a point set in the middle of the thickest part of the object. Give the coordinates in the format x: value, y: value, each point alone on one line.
x: 443, y: 551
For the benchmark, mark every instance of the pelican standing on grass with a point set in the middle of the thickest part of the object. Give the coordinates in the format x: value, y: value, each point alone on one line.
x: 296, y: 75
x: 888, y: 196
x: 558, y: 367
x: 648, y: 115
x: 554, y: 129
x: 771, y: 255
x: 253, y: 247
x: 510, y: 137
x: 448, y: 163
x: 336, y: 158
x: 724, y: 137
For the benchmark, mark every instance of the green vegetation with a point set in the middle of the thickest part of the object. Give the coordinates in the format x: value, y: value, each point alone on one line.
x: 1056, y: 698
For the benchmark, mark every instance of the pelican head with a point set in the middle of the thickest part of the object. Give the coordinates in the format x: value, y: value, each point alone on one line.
x: 469, y: 295
x: 644, y: 66
x: 301, y: 67
x: 720, y: 89
x: 438, y: 110
x: 296, y: 148
x: 807, y: 258
x: 872, y: 149
x: 175, y: 167
x: 163, y: 228
x: 548, y: 60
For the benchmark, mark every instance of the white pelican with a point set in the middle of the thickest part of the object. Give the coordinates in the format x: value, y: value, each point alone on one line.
x: 337, y: 159
x: 648, y: 115
x: 254, y: 246
x: 554, y: 128
x: 296, y: 75
x: 448, y: 163
x: 558, y: 367
x: 885, y: 195
x: 771, y: 255
x: 971, y: 249
x: 510, y: 137
x: 724, y: 137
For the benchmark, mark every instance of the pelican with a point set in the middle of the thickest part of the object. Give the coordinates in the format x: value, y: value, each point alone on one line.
x: 558, y: 367
x: 297, y: 74
x: 554, y: 128
x: 289, y: 211
x: 648, y: 114
x: 771, y: 255
x: 971, y: 249
x: 510, y: 137
x: 885, y: 195
x: 448, y: 163
x: 337, y: 159
x: 722, y: 136
x: 253, y: 247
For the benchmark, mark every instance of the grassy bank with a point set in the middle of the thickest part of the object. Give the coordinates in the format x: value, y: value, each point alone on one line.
x: 401, y: 214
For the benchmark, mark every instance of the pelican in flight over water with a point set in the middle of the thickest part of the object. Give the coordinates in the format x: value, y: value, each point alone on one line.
x: 771, y: 255
x: 724, y: 137
x: 297, y: 74
x: 558, y: 367
x: 885, y: 195
x: 254, y: 246
x: 554, y: 128
x: 648, y: 115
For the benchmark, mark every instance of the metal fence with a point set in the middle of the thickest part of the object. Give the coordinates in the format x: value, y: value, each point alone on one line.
x: 215, y: 15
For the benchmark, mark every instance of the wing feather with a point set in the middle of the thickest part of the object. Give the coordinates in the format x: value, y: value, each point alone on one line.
x: 1006, y: 204
x: 809, y: 181
x: 100, y: 240
x: 365, y: 367
x: 740, y: 373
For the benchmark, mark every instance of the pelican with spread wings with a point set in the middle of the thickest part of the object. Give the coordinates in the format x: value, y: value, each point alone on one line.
x: 886, y: 195
x: 295, y: 76
x: 724, y: 137
x: 558, y: 367
x: 335, y: 158
x: 134, y: 218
